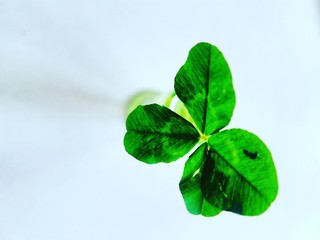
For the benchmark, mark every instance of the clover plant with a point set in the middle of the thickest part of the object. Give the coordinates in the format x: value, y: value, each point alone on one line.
x: 230, y: 170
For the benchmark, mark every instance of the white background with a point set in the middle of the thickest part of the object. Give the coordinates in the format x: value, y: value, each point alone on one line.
x: 67, y: 69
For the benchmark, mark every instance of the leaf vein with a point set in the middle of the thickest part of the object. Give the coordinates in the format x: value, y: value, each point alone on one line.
x: 241, y: 176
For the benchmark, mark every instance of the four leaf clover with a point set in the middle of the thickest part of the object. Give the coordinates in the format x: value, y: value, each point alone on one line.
x: 231, y: 170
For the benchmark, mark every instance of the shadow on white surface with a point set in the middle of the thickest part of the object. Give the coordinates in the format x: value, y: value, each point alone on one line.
x: 67, y: 70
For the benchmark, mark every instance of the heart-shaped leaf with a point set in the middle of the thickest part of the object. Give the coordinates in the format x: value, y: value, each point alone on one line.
x: 190, y: 184
x: 204, y: 85
x: 157, y: 134
x: 239, y: 175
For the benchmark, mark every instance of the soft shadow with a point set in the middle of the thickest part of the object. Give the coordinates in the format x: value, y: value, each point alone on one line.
x: 318, y: 7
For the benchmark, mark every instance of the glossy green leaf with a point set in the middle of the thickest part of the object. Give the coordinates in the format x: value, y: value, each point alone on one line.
x: 239, y: 175
x: 190, y: 184
x: 157, y: 134
x: 204, y: 85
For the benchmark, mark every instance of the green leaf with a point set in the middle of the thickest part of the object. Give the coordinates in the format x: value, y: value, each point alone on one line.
x: 240, y: 174
x: 157, y: 134
x: 190, y: 184
x: 204, y: 85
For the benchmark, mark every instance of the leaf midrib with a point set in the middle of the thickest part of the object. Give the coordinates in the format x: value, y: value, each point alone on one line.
x: 207, y: 94
x: 241, y: 176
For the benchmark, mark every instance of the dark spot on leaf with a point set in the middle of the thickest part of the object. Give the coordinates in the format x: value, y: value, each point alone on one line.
x: 236, y: 207
x: 251, y: 155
